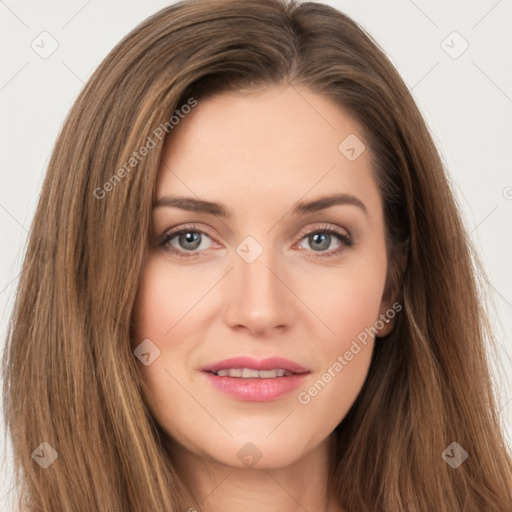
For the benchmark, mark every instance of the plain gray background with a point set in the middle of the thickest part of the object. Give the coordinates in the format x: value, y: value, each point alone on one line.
x: 464, y: 93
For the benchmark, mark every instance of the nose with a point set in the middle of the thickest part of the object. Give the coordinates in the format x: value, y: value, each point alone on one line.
x: 258, y: 297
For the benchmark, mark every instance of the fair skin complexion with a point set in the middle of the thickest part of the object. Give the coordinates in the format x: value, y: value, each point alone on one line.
x: 259, y: 155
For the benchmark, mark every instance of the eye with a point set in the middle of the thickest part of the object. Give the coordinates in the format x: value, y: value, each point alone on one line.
x: 189, y: 239
x: 322, y: 237
x: 183, y: 240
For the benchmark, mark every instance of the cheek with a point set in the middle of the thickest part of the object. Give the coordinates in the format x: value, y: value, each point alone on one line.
x: 348, y: 301
x: 347, y: 298
x: 345, y: 354
x: 161, y: 301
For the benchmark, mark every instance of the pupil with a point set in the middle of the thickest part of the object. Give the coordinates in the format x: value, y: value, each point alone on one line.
x: 189, y: 238
x: 326, y: 238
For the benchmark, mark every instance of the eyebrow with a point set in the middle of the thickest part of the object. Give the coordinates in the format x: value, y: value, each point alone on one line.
x: 219, y: 210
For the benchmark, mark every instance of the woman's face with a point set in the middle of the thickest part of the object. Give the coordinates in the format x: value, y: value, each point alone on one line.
x: 269, y: 279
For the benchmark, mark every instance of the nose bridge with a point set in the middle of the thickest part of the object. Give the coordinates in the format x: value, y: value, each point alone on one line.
x: 253, y: 267
x: 257, y: 297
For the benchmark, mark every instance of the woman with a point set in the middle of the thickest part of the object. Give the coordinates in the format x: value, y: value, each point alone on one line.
x: 248, y: 284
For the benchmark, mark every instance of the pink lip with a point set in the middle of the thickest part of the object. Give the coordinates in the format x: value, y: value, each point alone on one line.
x: 271, y: 363
x: 254, y: 389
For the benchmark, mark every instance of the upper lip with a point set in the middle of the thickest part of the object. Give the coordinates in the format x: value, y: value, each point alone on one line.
x: 271, y: 363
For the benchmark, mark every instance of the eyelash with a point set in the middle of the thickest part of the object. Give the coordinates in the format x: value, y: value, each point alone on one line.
x: 325, y: 229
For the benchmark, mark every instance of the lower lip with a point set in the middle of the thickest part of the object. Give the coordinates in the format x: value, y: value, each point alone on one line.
x: 256, y: 390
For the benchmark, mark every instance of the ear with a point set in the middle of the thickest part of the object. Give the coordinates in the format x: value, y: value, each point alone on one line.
x: 385, y: 323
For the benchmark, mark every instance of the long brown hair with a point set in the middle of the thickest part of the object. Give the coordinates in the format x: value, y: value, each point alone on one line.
x: 70, y: 376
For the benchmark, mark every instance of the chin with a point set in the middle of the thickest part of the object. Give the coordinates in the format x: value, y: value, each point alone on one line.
x: 258, y: 452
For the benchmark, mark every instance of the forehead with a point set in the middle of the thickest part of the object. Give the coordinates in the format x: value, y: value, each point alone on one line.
x: 277, y: 142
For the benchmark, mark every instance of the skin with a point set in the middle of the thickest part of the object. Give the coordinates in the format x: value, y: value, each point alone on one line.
x: 259, y: 154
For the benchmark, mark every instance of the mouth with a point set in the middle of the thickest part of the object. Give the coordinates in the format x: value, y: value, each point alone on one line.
x: 250, y: 373
x: 251, y: 380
